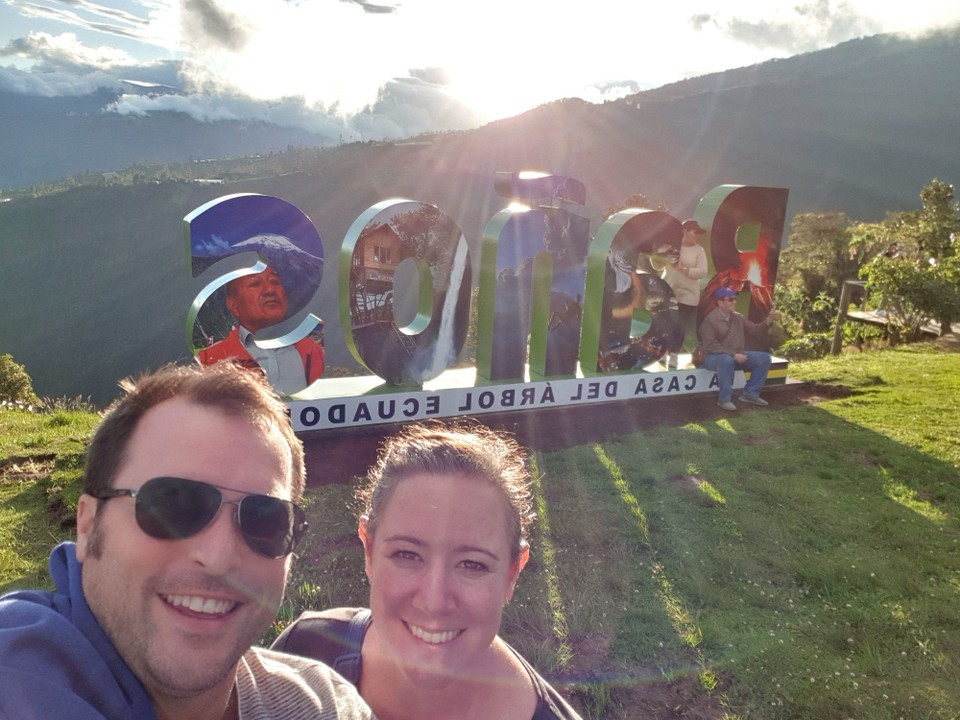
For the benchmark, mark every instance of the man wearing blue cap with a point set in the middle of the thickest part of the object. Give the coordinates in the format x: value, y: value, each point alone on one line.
x: 723, y: 335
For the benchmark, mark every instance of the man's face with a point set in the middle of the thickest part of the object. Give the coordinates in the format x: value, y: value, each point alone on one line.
x: 727, y: 305
x: 689, y: 237
x: 182, y: 612
x: 258, y: 301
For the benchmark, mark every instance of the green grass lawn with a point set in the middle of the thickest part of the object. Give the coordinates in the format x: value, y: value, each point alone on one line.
x: 41, y: 468
x: 800, y: 561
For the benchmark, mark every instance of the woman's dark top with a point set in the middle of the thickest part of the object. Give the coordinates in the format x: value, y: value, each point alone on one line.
x: 336, y: 636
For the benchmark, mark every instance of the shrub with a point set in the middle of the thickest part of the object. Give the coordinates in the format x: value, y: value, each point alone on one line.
x: 801, y: 313
x: 807, y: 347
x: 64, y: 404
x: 15, y: 384
x: 910, y: 294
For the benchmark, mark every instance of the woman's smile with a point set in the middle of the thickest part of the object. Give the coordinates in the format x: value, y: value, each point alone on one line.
x: 433, y: 638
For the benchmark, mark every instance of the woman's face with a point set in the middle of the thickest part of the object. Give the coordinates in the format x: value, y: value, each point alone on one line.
x: 440, y: 571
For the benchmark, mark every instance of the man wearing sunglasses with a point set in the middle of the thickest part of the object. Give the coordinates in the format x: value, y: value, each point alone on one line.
x: 185, y: 528
x: 723, y: 334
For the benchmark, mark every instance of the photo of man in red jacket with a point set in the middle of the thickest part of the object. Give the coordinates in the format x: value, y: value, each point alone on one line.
x: 257, y: 302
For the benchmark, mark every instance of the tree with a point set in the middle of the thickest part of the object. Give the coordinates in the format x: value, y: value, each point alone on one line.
x: 817, y: 258
x: 938, y: 224
x: 911, y: 294
x: 15, y: 384
x: 926, y: 240
x: 887, y: 238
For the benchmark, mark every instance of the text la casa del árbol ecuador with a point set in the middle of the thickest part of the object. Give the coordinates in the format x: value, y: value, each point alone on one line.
x: 452, y: 402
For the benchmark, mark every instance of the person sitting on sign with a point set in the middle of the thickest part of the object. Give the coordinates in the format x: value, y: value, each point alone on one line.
x: 257, y: 302
x: 445, y: 513
x: 683, y: 273
x: 723, y: 336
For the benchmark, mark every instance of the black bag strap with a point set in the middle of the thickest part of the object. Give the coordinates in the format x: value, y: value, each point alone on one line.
x: 348, y: 664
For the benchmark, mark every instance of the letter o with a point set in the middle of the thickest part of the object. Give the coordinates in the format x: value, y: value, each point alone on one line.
x: 310, y: 416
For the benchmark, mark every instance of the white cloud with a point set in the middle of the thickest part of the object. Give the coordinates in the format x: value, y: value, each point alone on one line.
x: 390, y: 68
x: 804, y: 27
x: 206, y: 25
x: 65, y: 52
x: 53, y: 84
x: 291, y: 112
x: 411, y: 106
x: 88, y: 16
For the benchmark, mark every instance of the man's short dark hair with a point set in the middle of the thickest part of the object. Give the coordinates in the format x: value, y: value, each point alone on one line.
x: 234, y: 391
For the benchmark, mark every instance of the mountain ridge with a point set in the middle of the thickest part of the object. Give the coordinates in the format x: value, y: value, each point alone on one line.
x: 87, y: 139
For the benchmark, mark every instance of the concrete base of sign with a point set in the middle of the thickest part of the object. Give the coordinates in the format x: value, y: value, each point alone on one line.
x: 354, y: 402
x: 339, y: 456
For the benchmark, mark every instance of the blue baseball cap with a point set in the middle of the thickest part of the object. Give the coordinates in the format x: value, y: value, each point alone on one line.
x: 724, y: 293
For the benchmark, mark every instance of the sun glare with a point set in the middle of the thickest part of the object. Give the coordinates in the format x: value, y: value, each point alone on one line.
x: 493, y: 96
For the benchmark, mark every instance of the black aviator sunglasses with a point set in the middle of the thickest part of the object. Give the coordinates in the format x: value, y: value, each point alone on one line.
x: 170, y: 508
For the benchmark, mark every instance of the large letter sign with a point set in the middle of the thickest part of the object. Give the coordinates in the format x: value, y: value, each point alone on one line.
x: 374, y: 250
x: 531, y: 281
x: 562, y: 318
x: 260, y: 262
x: 746, y: 229
x: 623, y: 298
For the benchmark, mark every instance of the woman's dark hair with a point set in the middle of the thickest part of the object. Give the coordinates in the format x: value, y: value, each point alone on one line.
x: 469, y: 450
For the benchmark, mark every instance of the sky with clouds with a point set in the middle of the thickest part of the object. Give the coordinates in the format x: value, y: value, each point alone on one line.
x: 372, y: 69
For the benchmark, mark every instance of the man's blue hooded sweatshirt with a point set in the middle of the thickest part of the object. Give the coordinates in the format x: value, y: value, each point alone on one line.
x: 55, y: 660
